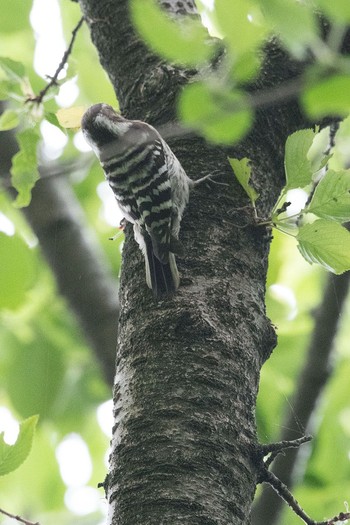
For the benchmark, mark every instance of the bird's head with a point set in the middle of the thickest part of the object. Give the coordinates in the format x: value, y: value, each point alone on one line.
x: 101, y: 125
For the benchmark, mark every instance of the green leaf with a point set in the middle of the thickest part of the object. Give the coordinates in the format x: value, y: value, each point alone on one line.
x: 331, y: 199
x: 17, y: 259
x: 242, y: 24
x: 24, y: 166
x: 326, y: 243
x: 14, y: 16
x: 184, y: 41
x: 296, y: 163
x: 330, y: 96
x: 52, y: 118
x: 34, y: 370
x: 11, y: 89
x: 222, y: 117
x: 9, y: 119
x: 338, y: 10
x: 294, y: 22
x: 246, y: 67
x: 341, y: 153
x: 13, y: 69
x: 316, y: 153
x: 12, y: 456
x: 40, y: 474
x: 243, y: 171
x: 5, y: 87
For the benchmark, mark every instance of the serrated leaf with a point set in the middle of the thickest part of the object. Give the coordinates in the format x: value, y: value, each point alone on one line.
x: 12, y: 456
x: 70, y: 117
x: 243, y: 173
x: 339, y: 10
x: 326, y: 243
x: 24, y: 168
x: 9, y: 119
x: 242, y: 24
x: 331, y: 199
x: 296, y: 163
x: 222, y: 117
x: 13, y: 69
x: 330, y: 96
x: 182, y: 41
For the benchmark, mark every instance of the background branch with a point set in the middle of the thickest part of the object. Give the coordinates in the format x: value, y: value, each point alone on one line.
x: 311, y: 384
x: 78, y: 264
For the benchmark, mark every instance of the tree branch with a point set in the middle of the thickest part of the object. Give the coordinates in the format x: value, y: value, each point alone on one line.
x: 311, y: 384
x: 265, y: 476
x: 274, y: 449
x: 18, y: 518
x: 53, y: 80
x: 77, y: 262
x: 284, y: 493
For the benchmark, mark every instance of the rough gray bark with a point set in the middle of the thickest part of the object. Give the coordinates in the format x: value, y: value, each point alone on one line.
x: 82, y: 273
x: 188, y: 368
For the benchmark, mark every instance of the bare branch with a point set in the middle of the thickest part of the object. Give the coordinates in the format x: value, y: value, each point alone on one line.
x: 18, y: 518
x: 287, y: 496
x: 312, y: 382
x: 81, y: 270
x: 53, y: 80
x: 276, y: 448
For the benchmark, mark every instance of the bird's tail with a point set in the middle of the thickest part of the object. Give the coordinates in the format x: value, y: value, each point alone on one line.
x: 162, y: 278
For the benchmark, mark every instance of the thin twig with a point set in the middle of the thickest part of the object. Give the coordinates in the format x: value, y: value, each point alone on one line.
x: 342, y: 516
x: 53, y: 82
x: 18, y: 518
x: 284, y: 493
x: 282, y: 490
x: 282, y: 445
x: 274, y: 449
x: 313, y: 379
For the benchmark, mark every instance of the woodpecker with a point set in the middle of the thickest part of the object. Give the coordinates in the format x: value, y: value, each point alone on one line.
x: 150, y: 186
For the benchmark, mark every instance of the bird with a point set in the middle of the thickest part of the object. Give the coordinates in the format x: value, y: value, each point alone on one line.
x: 149, y: 184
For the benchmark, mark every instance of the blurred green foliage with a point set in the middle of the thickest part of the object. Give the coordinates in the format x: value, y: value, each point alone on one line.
x: 46, y: 366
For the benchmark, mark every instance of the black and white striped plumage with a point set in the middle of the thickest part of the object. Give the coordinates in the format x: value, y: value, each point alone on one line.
x: 149, y: 184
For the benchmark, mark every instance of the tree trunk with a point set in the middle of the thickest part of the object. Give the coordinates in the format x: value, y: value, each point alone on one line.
x: 188, y: 368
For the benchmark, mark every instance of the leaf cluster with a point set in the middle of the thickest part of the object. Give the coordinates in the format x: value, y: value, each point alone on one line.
x: 16, y: 89
x: 216, y: 103
x: 318, y: 226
